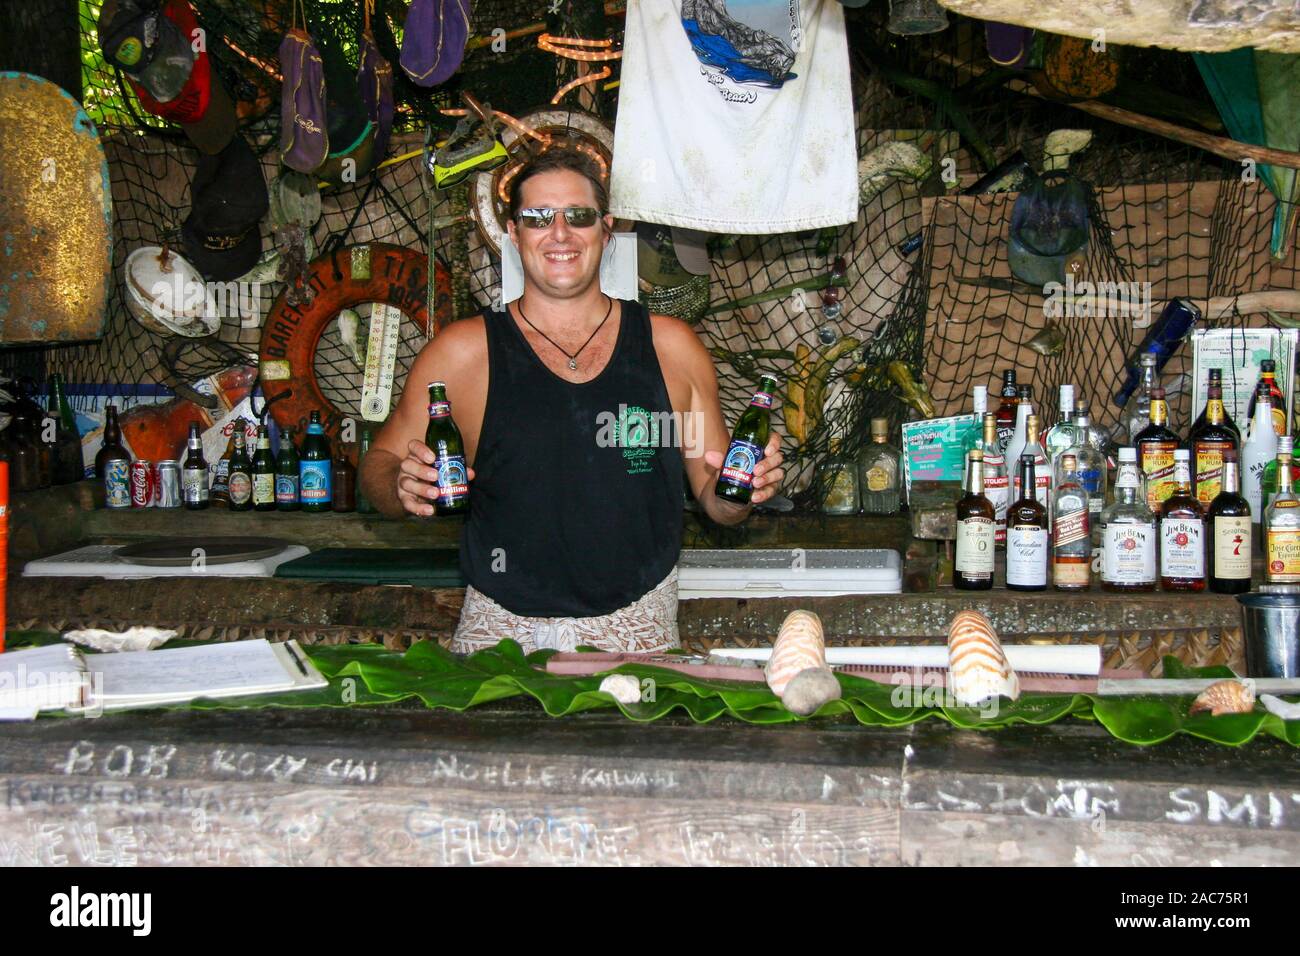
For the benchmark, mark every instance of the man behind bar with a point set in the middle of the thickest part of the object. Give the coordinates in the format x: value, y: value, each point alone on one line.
x: 578, y: 413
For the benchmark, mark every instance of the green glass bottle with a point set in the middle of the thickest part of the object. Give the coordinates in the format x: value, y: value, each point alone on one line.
x: 263, y: 472
x: 443, y: 438
x: 314, y: 469
x: 363, y: 503
x: 286, y: 474
x: 68, y: 465
x: 736, y: 480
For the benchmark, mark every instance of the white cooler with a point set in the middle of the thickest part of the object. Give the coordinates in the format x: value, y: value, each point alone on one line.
x: 788, y: 572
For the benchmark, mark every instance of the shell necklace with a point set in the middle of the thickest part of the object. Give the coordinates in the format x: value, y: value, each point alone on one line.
x: 573, y: 358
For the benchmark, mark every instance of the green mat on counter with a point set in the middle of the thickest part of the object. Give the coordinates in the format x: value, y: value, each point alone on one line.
x: 370, y: 674
x: 418, y: 567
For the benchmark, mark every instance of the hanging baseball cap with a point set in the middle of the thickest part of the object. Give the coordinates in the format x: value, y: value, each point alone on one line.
x: 304, y: 137
x: 433, y: 40
x: 227, y: 201
x: 152, y: 44
x: 1008, y: 45
x: 351, y: 133
x: 669, y: 256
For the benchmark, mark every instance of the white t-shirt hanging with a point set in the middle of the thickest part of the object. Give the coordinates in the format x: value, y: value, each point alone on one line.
x: 735, y: 116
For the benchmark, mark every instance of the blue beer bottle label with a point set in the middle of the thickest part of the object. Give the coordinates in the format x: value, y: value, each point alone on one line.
x: 314, y: 482
x: 286, y: 489
x: 738, y: 466
x: 453, y: 477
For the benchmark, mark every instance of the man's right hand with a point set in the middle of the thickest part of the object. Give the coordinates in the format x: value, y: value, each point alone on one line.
x: 417, y: 480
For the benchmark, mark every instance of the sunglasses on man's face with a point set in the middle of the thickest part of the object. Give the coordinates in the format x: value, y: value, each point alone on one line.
x: 541, y: 217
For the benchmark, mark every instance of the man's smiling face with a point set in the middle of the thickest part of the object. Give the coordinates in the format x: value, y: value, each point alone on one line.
x: 562, y: 261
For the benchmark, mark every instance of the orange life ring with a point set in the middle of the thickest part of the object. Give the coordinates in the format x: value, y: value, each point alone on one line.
x: 291, y: 334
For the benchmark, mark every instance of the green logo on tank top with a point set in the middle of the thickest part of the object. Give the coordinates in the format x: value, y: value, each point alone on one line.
x: 635, y: 431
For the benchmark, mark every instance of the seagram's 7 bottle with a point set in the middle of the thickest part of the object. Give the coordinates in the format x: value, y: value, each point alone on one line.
x: 736, y: 479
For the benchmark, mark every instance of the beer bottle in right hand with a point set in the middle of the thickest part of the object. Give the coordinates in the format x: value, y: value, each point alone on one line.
x: 736, y: 480
x: 443, y: 438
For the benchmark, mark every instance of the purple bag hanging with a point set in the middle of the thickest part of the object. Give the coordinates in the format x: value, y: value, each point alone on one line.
x: 375, y: 77
x: 304, y: 137
x: 1008, y: 44
x: 433, y: 40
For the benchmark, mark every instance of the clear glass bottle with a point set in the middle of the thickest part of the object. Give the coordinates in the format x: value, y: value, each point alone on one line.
x: 1071, y: 528
x: 838, y: 480
x: 1016, y: 443
x: 979, y: 406
x: 1268, y: 477
x: 1090, y: 472
x: 1137, y: 413
x: 1128, y: 533
x: 1182, y: 532
x: 1063, y: 435
x: 1042, y: 468
x: 997, y: 487
x: 879, y: 472
x: 1282, y: 524
x: 1259, y: 448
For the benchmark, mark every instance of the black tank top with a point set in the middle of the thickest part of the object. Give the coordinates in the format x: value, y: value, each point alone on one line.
x: 576, y: 505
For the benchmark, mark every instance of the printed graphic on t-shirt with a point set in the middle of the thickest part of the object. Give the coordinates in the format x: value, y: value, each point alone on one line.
x: 743, y: 43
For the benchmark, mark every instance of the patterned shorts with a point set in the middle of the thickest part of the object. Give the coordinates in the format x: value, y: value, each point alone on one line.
x: 647, y: 625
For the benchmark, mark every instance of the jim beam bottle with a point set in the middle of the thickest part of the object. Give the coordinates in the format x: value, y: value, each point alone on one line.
x: 1211, y: 436
x: 1229, y: 532
x: 736, y: 480
x: 1282, y: 558
x: 1155, y: 452
x: 1027, y: 547
x: 194, y: 473
x: 1071, y: 533
x: 1182, y: 532
x: 1128, y: 534
x: 443, y: 438
x: 973, y: 567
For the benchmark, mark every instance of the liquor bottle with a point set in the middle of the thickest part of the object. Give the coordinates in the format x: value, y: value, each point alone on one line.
x: 1098, y: 437
x: 1209, y: 439
x: 314, y: 471
x: 1268, y: 477
x: 1063, y: 435
x: 979, y: 406
x: 1282, y: 557
x: 1137, y: 414
x: 239, y: 483
x: 1257, y: 451
x: 1090, y: 472
x: 443, y: 437
x: 1026, y: 533
x: 344, y: 482
x: 29, y: 418
x: 1128, y: 532
x: 112, y: 445
x: 21, y: 455
x: 194, y: 473
x: 1016, y: 444
x: 1006, y: 412
x: 1155, y: 451
x: 1161, y: 341
x: 1228, y: 520
x: 287, y: 474
x: 879, y: 471
x: 997, y: 487
x: 263, y: 472
x: 1071, y: 528
x: 1214, y: 377
x: 1268, y: 378
x: 973, y: 567
x: 1042, y: 468
x: 363, y: 503
x: 68, y: 464
x: 1182, y: 532
x: 221, y: 470
x: 736, y: 479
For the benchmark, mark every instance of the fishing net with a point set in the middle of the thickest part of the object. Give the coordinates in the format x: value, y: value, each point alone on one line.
x: 941, y: 316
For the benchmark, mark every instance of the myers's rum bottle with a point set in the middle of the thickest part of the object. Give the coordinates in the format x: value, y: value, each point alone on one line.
x: 1155, y: 452
x: 973, y: 567
x: 1210, y: 437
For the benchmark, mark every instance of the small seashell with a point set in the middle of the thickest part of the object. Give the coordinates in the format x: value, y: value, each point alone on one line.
x: 977, y: 666
x: 624, y: 688
x: 799, y: 646
x: 1225, y: 697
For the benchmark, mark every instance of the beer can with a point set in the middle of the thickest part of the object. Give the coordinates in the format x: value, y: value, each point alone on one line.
x: 142, y: 486
x: 117, y: 483
x: 168, y: 483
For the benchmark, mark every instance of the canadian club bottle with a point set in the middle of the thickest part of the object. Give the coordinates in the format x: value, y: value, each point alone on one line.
x: 973, y: 567
x: 1071, y: 534
x: 1182, y: 533
x: 287, y: 474
x: 1155, y: 452
x: 1027, y: 534
x: 314, y: 471
x: 1006, y: 413
x: 263, y: 472
x: 1282, y: 561
x: 239, y: 481
x: 1229, y: 533
x: 194, y: 473
x: 443, y: 438
x: 1211, y: 436
x: 736, y: 479
x: 1128, y: 533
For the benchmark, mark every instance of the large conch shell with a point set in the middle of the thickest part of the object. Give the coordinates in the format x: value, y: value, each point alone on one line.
x: 797, y: 671
x: 1225, y: 697
x: 977, y: 666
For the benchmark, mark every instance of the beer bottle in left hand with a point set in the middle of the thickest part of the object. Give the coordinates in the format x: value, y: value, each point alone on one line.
x: 736, y: 480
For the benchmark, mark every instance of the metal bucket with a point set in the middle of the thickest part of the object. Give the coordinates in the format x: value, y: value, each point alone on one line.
x: 1271, y: 623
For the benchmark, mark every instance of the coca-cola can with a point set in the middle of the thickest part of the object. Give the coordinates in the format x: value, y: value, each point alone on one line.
x: 168, y: 484
x: 142, y: 484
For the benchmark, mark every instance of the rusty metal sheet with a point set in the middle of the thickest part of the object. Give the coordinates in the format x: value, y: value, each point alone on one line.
x: 55, y: 216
